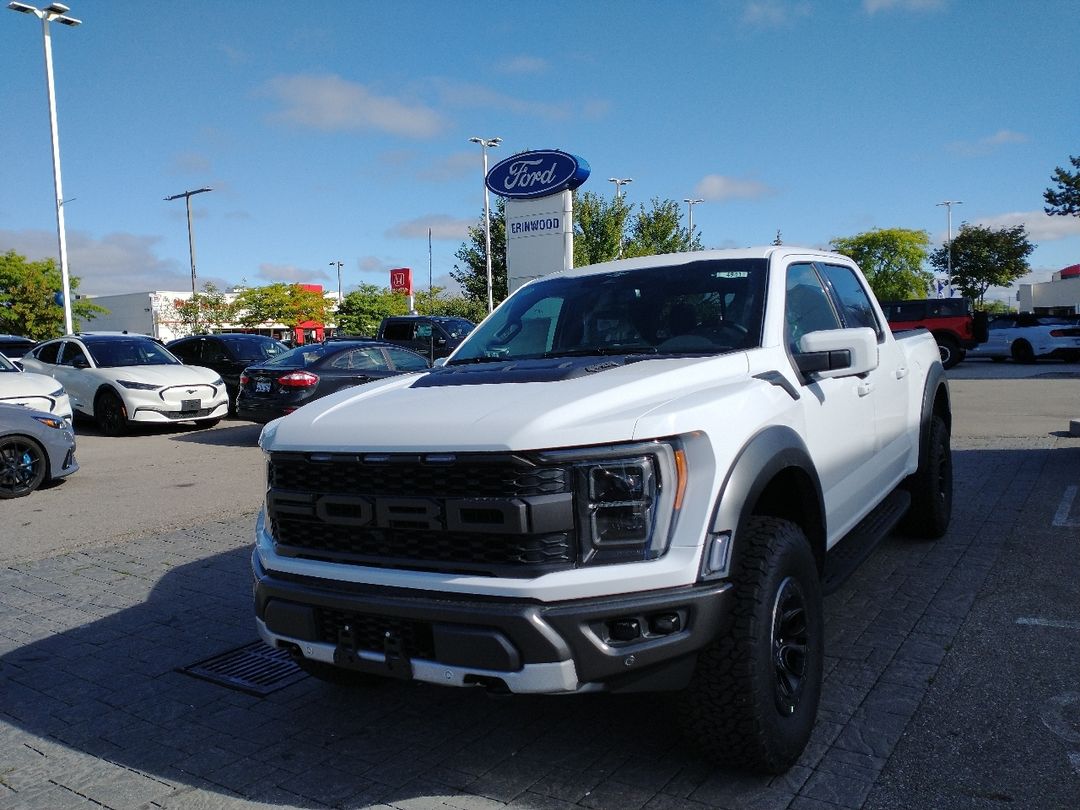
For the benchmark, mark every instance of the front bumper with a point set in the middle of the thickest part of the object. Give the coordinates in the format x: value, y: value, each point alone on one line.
x: 506, y: 644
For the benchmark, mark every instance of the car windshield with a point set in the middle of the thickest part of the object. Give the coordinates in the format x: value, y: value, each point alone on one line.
x: 254, y: 351
x: 7, y: 365
x: 129, y: 351
x: 702, y: 307
x: 458, y: 327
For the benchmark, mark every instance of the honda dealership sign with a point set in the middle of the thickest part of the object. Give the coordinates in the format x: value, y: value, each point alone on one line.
x: 539, y: 211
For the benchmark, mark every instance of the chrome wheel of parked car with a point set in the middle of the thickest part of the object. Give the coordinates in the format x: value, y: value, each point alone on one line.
x: 22, y: 466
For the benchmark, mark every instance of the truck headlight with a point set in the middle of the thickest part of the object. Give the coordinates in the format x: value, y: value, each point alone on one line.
x: 625, y: 498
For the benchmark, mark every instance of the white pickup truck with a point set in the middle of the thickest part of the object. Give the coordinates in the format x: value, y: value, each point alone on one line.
x: 640, y: 475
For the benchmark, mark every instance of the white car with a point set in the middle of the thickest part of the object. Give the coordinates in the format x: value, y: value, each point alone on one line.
x: 37, y: 391
x: 120, y: 380
x: 1027, y: 338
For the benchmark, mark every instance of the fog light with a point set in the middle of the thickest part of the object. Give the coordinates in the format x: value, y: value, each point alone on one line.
x: 665, y: 624
x: 625, y: 629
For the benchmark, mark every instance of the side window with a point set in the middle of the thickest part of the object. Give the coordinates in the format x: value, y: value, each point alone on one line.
x: 406, y: 361
x: 213, y: 352
x: 423, y: 331
x: 48, y: 353
x: 398, y: 331
x: 187, y: 351
x: 807, y: 307
x: 359, y: 360
x: 855, y: 306
x: 70, y: 352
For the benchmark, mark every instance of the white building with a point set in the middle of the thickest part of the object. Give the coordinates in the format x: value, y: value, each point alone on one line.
x: 1059, y: 296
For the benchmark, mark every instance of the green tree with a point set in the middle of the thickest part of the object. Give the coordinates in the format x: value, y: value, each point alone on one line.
x: 289, y: 304
x: 361, y: 310
x: 599, y: 225
x: 1065, y: 199
x: 471, y: 274
x: 984, y: 257
x: 28, y: 298
x: 207, y: 310
x: 892, y: 260
x: 658, y: 230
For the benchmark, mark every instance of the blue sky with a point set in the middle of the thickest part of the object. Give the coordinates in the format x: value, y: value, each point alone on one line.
x: 339, y: 131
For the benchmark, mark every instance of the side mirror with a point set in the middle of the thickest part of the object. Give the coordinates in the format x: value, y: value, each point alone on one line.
x: 439, y: 362
x: 837, y: 352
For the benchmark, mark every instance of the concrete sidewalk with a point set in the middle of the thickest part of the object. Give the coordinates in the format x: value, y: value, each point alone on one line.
x: 95, y: 714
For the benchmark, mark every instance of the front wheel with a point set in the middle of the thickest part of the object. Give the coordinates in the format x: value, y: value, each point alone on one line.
x: 111, y: 414
x: 22, y: 466
x: 753, y: 699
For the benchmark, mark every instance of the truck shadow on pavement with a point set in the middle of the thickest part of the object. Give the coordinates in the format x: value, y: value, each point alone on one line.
x: 95, y: 712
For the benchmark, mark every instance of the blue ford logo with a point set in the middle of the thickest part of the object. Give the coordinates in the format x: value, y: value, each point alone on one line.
x: 537, y: 174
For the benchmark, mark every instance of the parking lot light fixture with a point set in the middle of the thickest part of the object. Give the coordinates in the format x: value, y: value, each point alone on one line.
x: 55, y: 12
x: 484, y: 144
x: 187, y: 195
x: 339, y: 266
x: 690, y: 219
x: 948, y: 248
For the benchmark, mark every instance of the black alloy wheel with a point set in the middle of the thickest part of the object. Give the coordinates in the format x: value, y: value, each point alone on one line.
x: 111, y: 414
x: 790, y: 642
x: 22, y: 466
x: 1022, y: 352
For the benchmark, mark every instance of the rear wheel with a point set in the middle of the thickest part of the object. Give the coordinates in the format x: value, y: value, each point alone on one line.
x: 111, y: 414
x: 23, y: 466
x: 1022, y: 352
x: 754, y: 695
x: 949, y: 349
x: 931, y: 486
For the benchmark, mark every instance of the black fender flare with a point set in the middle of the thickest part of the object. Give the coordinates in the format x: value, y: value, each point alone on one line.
x: 773, y: 452
x: 935, y: 399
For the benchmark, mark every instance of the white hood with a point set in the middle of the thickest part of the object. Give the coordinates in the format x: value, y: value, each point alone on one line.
x: 594, y: 408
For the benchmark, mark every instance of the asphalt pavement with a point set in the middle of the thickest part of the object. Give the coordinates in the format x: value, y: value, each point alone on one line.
x: 951, y: 676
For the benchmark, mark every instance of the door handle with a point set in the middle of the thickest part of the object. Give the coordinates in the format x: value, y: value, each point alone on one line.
x: 864, y: 388
x: 901, y: 372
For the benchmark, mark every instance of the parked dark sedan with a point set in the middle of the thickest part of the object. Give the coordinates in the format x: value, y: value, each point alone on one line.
x: 15, y: 346
x: 228, y: 353
x: 282, y: 384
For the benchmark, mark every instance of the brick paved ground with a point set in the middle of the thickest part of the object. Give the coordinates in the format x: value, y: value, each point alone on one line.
x: 94, y: 714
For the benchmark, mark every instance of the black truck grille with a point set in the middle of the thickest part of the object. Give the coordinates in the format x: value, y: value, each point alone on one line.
x: 494, y: 515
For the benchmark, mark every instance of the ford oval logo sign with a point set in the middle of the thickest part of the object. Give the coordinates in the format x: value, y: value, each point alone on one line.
x: 537, y: 174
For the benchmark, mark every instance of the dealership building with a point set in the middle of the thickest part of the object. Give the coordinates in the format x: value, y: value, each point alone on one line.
x: 1059, y: 296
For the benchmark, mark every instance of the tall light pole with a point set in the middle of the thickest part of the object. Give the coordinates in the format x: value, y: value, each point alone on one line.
x: 690, y: 217
x: 948, y: 248
x: 187, y: 195
x: 55, y: 12
x: 339, y: 264
x: 484, y: 144
x: 619, y: 183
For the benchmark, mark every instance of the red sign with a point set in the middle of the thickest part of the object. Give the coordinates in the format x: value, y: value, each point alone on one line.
x: 401, y: 280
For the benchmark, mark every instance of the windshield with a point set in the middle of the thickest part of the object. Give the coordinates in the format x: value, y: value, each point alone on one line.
x: 305, y: 355
x: 704, y: 307
x: 129, y: 352
x: 458, y: 327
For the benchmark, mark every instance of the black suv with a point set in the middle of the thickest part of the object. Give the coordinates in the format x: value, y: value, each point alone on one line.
x: 228, y: 354
x: 433, y: 336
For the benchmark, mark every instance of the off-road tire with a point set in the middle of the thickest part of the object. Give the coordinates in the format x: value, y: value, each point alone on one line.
x: 949, y: 349
x: 111, y: 414
x: 754, y: 695
x: 931, y: 486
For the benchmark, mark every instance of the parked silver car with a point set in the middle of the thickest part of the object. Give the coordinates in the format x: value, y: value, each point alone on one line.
x: 35, y: 447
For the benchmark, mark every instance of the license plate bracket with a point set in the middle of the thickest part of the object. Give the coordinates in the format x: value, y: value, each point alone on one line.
x: 262, y: 386
x: 189, y: 404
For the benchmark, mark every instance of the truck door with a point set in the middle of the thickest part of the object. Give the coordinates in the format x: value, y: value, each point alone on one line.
x: 838, y: 412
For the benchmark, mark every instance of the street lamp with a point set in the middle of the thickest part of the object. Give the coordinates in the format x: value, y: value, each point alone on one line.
x: 690, y: 217
x: 948, y: 253
x: 484, y: 144
x: 619, y: 183
x: 187, y: 195
x: 55, y: 12
x: 338, y: 279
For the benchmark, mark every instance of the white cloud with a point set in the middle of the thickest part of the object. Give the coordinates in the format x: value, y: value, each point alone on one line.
x: 874, y: 6
x: 1041, y: 227
x: 333, y: 104
x: 442, y: 227
x: 717, y: 187
x: 475, y: 96
x: 291, y: 274
x: 774, y: 13
x: 987, y: 145
x: 523, y: 64
x: 456, y: 166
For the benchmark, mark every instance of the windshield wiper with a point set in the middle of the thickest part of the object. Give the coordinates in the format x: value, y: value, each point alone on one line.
x: 465, y: 361
x: 603, y: 351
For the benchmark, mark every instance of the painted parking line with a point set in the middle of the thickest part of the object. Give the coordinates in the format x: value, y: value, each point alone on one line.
x: 1060, y: 624
x: 1061, y: 517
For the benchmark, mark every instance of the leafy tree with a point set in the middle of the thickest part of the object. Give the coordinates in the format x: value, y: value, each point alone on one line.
x: 1065, y: 200
x: 453, y: 306
x: 984, y: 257
x: 471, y: 274
x: 361, y: 310
x: 598, y: 228
x: 892, y: 260
x: 289, y: 304
x: 657, y: 230
x: 28, y: 298
x: 208, y: 310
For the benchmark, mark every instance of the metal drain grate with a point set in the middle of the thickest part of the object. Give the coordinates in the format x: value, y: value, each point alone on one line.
x: 255, y: 668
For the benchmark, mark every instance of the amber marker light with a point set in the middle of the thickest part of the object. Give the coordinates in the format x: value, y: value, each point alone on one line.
x: 680, y: 477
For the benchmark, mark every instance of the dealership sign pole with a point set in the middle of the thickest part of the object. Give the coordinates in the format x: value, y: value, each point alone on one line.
x: 537, y: 188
